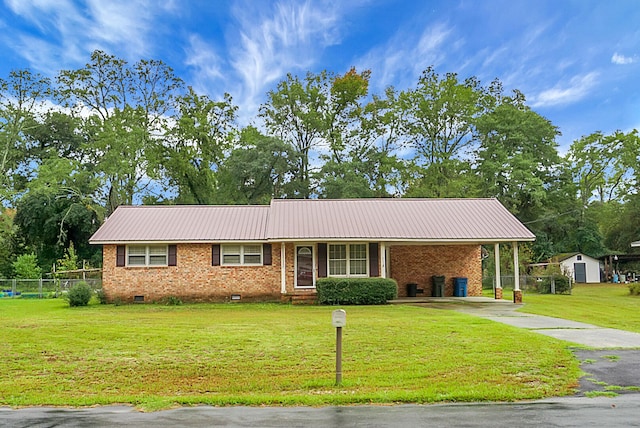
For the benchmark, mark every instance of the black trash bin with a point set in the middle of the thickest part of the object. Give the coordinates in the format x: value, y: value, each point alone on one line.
x: 412, y: 290
x: 438, y: 286
x: 460, y: 287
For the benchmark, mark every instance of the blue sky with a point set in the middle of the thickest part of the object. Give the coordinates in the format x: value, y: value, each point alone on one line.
x: 577, y: 62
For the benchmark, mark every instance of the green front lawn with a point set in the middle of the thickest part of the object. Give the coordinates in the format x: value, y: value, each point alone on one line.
x: 155, y: 356
x: 605, y: 305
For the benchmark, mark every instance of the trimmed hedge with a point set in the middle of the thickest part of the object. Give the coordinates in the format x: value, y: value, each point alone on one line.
x: 356, y: 291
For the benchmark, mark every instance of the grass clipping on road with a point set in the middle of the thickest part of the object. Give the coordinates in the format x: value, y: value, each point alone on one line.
x: 155, y: 357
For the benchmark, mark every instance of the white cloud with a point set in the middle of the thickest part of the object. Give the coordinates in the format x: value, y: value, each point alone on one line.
x: 621, y: 59
x: 68, y: 31
x: 574, y: 90
x: 204, y: 59
x: 287, y: 36
x: 406, y: 55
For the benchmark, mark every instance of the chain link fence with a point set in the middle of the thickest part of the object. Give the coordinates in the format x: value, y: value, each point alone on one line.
x: 545, y: 284
x: 41, y: 288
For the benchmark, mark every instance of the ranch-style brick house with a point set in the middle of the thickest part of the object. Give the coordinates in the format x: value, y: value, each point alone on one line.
x: 277, y: 252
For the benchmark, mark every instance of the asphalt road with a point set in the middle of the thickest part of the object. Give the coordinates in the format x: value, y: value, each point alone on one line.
x: 621, y: 411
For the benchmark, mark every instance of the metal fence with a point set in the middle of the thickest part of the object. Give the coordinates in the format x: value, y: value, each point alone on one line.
x: 41, y: 288
x: 545, y: 284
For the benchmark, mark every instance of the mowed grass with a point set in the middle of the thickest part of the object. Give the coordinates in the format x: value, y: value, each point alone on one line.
x: 605, y: 305
x: 155, y: 357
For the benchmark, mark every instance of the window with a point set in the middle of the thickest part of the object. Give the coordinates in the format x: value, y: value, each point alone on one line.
x: 348, y: 260
x: 249, y: 254
x: 579, y: 257
x: 147, y: 255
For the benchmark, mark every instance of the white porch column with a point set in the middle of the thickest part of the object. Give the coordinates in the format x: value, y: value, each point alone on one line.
x: 497, y: 292
x: 283, y: 269
x: 383, y: 260
x: 496, y: 256
x: 516, y: 268
x: 517, y: 294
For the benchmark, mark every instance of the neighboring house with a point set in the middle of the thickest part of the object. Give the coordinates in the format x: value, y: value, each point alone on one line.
x: 580, y: 267
x: 635, y: 244
x: 277, y: 252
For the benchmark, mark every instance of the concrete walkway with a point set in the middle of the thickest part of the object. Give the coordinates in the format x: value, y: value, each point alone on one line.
x: 504, y: 311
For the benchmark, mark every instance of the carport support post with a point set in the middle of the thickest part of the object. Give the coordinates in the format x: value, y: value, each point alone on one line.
x: 496, y: 254
x: 517, y: 294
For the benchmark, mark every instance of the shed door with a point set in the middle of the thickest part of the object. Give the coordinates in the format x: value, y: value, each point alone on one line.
x: 580, y: 271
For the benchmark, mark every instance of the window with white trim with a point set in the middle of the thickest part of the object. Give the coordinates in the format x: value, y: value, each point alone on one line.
x: 348, y: 260
x: 238, y: 254
x: 147, y: 255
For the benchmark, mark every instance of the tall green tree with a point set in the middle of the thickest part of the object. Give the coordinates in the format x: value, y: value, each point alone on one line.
x: 196, y: 145
x: 321, y: 110
x: 517, y: 159
x: 258, y: 169
x: 128, y: 107
x: 22, y: 100
x: 438, y: 118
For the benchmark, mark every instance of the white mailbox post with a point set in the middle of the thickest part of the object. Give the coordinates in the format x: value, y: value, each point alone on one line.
x: 339, y: 320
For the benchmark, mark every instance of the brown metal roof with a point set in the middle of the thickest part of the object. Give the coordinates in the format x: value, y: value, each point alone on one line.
x: 180, y: 223
x: 395, y: 219
x: 432, y: 220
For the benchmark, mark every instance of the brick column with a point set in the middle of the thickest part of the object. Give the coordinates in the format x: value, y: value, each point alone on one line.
x: 517, y: 296
x: 498, y: 293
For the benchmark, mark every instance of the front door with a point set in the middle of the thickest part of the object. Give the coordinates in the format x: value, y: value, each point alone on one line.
x: 304, y: 266
x: 580, y: 270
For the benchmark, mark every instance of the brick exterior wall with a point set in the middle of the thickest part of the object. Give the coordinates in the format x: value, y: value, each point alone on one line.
x: 418, y: 263
x: 193, y: 279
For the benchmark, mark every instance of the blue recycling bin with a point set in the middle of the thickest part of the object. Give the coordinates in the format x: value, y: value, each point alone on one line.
x: 460, y: 287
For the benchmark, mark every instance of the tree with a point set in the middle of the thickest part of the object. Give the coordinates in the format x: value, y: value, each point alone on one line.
x: 127, y: 107
x: 48, y: 223
x: 7, y: 242
x: 517, y: 159
x: 321, y: 110
x: 195, y: 147
x: 259, y: 169
x: 22, y: 97
x: 438, y: 119
x: 26, y: 267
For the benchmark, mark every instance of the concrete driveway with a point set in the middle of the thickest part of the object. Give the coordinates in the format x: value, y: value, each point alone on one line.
x: 610, y: 366
x: 578, y: 333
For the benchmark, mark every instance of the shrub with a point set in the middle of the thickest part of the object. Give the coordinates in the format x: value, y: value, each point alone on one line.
x: 562, y: 284
x: 26, y: 267
x: 102, y: 298
x: 79, y: 294
x: 172, y: 301
x: 356, y: 291
x: 634, y: 288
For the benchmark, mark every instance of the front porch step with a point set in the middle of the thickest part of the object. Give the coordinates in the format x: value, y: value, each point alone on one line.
x: 301, y: 299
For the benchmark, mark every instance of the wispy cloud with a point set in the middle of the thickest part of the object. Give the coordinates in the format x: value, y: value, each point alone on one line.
x: 206, y: 62
x: 68, y: 31
x: 287, y: 36
x: 569, y: 92
x: 621, y: 59
x: 407, y: 54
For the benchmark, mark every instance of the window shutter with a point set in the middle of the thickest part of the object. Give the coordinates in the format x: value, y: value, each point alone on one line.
x: 121, y: 254
x: 173, y: 255
x: 322, y: 260
x: 215, y: 255
x: 374, y: 269
x: 266, y: 254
